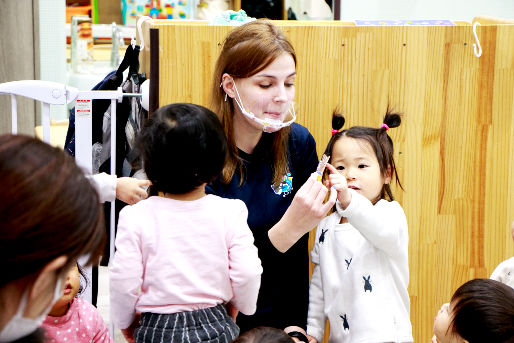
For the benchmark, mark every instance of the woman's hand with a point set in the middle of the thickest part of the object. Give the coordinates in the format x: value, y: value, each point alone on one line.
x: 304, y: 213
x: 128, y: 189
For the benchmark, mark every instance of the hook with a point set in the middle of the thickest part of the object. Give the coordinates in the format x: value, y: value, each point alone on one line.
x: 140, y: 22
x: 479, y: 52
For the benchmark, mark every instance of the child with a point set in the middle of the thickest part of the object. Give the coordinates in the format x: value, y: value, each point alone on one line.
x: 73, y: 319
x: 361, y: 268
x: 481, y: 310
x: 504, y: 272
x: 183, y: 255
x: 264, y: 334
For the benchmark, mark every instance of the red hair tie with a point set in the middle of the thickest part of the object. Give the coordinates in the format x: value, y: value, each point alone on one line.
x: 334, y: 131
x: 384, y: 125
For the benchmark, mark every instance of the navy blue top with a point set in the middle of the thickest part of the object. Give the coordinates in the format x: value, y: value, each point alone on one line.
x: 284, y: 293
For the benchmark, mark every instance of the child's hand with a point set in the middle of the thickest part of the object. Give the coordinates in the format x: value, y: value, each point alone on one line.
x: 338, y: 181
x: 128, y: 333
x: 435, y: 340
x: 128, y: 189
x: 232, y: 311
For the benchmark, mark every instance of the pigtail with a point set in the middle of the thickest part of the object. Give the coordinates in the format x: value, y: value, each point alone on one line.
x: 337, y: 120
x: 392, y: 119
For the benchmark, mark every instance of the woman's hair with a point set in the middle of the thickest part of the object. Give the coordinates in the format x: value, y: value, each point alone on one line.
x: 183, y: 146
x: 47, y: 209
x: 378, y: 139
x: 247, y: 50
x: 264, y: 334
x: 483, y: 311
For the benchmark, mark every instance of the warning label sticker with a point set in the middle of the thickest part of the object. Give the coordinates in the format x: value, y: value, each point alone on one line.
x: 83, y: 107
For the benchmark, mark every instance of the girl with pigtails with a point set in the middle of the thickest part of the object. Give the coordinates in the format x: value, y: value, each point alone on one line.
x: 360, y: 254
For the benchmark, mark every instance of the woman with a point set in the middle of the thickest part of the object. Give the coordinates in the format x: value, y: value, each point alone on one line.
x: 49, y: 216
x: 270, y: 158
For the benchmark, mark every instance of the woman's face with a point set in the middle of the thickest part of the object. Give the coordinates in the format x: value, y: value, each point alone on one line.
x: 269, y: 93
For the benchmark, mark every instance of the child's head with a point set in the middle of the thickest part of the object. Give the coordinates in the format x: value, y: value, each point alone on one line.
x: 72, y: 287
x: 481, y: 310
x: 264, y: 334
x: 183, y: 147
x: 364, y: 155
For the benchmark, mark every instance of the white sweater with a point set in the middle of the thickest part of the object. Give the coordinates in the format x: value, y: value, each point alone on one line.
x: 504, y: 272
x: 105, y: 185
x: 361, y: 274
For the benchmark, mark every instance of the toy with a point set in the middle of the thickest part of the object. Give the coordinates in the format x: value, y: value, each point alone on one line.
x: 157, y: 9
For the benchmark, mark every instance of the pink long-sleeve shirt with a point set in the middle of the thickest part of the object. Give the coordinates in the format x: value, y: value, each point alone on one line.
x: 81, y: 324
x: 174, y: 256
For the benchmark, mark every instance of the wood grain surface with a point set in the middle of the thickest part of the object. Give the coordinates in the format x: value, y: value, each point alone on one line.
x: 454, y: 149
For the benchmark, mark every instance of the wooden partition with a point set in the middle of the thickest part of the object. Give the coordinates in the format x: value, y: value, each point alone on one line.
x: 454, y: 149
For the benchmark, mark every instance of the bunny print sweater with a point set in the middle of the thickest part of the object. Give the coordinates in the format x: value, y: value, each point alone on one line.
x: 361, y: 274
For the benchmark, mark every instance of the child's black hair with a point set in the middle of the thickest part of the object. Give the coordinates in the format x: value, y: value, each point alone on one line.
x: 378, y: 139
x: 183, y: 146
x: 264, y: 334
x: 82, y: 274
x: 483, y: 311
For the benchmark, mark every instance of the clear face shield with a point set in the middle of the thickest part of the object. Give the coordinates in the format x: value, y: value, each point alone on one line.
x: 268, y: 124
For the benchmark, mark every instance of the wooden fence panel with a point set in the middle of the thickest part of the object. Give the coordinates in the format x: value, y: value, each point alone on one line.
x: 454, y: 149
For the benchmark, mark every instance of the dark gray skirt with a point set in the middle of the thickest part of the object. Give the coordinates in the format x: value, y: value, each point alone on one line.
x: 211, y: 324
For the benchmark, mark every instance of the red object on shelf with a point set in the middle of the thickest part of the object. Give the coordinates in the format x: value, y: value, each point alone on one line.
x: 77, y: 10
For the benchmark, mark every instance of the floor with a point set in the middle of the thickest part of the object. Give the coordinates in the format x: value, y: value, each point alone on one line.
x: 103, y: 301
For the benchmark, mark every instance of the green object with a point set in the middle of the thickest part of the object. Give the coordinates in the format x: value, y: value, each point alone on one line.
x: 231, y: 18
x: 94, y: 11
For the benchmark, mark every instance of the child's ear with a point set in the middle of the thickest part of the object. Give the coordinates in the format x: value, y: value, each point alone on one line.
x: 227, y: 83
x: 388, y: 175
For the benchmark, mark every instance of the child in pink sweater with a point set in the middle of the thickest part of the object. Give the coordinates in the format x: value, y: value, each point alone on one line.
x: 182, y: 255
x: 73, y: 319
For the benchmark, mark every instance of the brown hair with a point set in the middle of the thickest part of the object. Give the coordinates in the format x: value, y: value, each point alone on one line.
x: 47, y: 209
x: 247, y: 50
x: 264, y: 334
x: 379, y: 140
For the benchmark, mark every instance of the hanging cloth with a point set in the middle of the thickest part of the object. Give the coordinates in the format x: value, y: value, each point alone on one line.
x: 130, y: 117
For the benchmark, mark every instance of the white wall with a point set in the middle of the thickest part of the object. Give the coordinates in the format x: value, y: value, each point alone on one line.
x: 52, y: 47
x: 425, y: 9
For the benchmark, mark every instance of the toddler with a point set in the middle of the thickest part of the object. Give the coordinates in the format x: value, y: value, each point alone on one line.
x: 73, y: 319
x: 183, y: 255
x: 481, y: 310
x: 361, y: 272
